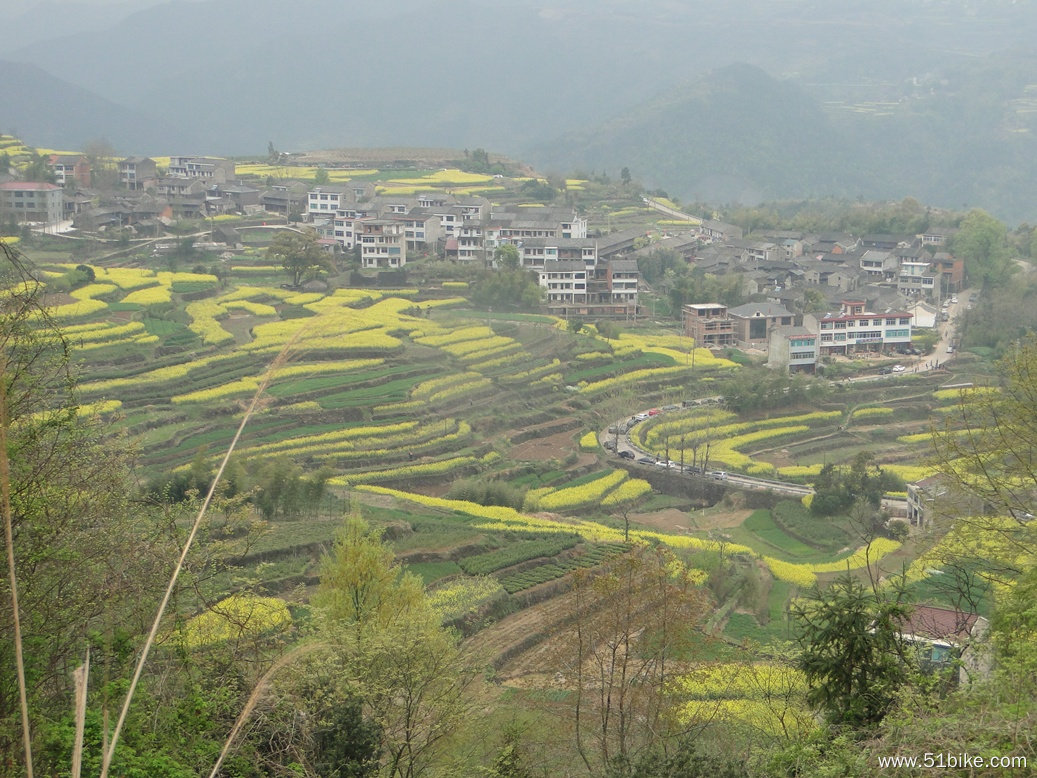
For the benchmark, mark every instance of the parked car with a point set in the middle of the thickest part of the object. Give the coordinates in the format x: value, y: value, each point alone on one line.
x: 627, y: 454
x: 609, y: 445
x: 654, y: 412
x: 898, y: 368
x: 646, y: 461
x: 719, y: 475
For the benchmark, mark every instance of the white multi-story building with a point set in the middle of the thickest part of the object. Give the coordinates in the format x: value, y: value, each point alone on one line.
x: 534, y: 252
x: 214, y: 169
x: 325, y: 201
x: 878, y: 265
x: 383, y: 243
x: 916, y: 279
x: 565, y: 281
x: 623, y: 277
x: 855, y: 329
x: 793, y: 349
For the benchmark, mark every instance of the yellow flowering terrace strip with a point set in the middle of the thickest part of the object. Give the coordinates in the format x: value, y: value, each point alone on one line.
x: 589, y: 441
x: 726, y: 450
x: 169, y: 278
x: 872, y: 413
x: 424, y: 469
x: 513, y: 349
x: 634, y: 376
x: 433, y: 386
x: 89, y: 333
x: 421, y: 445
x: 439, y: 337
x: 507, y: 359
x: 584, y: 494
x: 157, y: 376
x: 459, y: 598
x: 503, y: 518
x: 708, y: 420
x: 533, y: 373
x: 85, y: 303
x: 249, y: 384
x: 629, y: 490
x: 137, y: 340
x: 734, y: 679
x: 478, y: 346
x: 417, y: 440
x: 968, y: 392
x: 336, y: 437
x: 151, y: 295
x: 88, y: 409
x: 125, y: 278
x: 235, y: 617
x: 203, y: 315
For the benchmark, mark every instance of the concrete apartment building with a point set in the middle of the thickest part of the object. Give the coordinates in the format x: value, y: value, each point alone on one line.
x: 853, y: 328
x: 213, y: 169
x: 138, y: 173
x: 708, y: 324
x: 383, y: 244
x: 31, y: 202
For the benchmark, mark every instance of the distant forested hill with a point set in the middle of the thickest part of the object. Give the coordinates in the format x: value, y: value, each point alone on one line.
x: 52, y: 113
x: 966, y: 137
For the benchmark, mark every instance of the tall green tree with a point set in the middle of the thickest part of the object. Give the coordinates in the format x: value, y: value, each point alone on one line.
x: 299, y: 254
x: 851, y: 650
x: 396, y: 657
x: 982, y: 241
x: 506, y: 256
x: 37, y: 169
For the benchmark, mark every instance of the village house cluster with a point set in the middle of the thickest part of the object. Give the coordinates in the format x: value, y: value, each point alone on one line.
x: 866, y: 293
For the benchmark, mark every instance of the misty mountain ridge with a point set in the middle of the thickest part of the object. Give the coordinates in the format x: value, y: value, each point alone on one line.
x: 739, y: 135
x: 52, y: 113
x: 714, y: 99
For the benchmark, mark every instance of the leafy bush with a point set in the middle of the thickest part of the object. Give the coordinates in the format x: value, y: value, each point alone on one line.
x: 486, y: 492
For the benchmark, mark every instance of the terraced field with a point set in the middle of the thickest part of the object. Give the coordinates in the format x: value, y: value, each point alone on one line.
x: 399, y: 394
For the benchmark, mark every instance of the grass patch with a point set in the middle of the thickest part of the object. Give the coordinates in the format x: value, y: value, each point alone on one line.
x: 761, y: 524
x: 822, y: 532
x: 433, y: 571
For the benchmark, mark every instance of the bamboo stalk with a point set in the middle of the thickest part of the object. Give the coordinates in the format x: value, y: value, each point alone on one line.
x: 110, y: 752
x: 80, y: 676
x: 5, y: 491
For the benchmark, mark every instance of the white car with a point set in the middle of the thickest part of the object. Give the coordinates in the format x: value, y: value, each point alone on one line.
x: 899, y: 368
x: 954, y: 301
